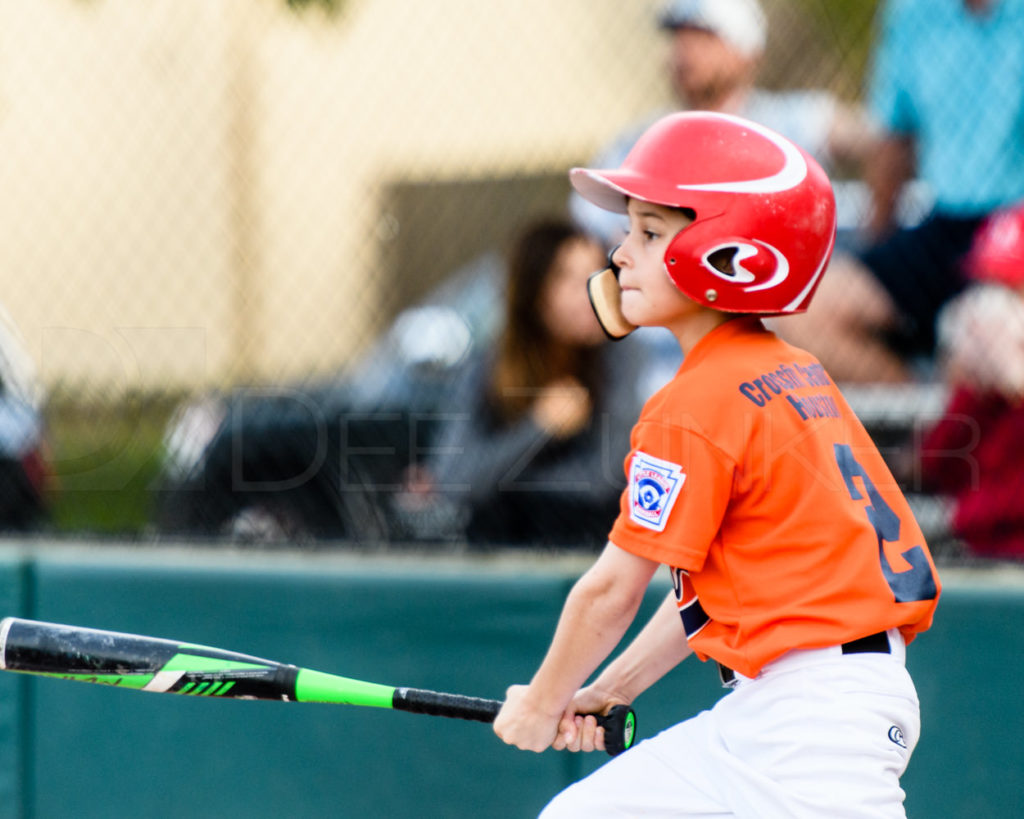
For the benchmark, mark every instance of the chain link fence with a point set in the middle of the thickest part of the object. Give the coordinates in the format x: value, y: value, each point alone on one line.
x: 212, y: 207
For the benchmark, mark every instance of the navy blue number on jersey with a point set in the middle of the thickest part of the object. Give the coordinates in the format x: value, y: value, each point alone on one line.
x: 917, y: 582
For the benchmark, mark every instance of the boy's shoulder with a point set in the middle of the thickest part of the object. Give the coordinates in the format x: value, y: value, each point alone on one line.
x: 741, y: 352
x: 735, y: 377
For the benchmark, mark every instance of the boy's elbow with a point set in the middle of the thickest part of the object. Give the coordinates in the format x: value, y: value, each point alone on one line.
x: 616, y: 597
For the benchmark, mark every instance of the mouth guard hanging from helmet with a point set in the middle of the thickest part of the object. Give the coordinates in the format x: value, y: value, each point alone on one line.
x: 606, y: 301
x: 761, y: 203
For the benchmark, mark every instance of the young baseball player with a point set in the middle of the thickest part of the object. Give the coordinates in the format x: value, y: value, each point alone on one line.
x: 796, y: 563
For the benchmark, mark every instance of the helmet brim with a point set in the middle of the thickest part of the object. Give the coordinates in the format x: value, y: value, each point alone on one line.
x: 599, y: 188
x: 611, y: 190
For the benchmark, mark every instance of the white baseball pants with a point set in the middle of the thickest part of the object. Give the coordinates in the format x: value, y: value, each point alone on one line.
x: 817, y: 733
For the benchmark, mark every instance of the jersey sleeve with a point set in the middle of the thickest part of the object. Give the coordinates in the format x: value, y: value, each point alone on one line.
x: 678, y: 486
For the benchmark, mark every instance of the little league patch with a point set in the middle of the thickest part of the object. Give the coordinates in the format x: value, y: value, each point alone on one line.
x: 654, y: 485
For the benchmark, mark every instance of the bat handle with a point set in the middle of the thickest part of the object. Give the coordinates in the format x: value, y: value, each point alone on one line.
x: 434, y: 703
x: 619, y: 723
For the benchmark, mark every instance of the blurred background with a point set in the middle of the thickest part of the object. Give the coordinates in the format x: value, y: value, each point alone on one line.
x: 255, y: 257
x: 277, y: 227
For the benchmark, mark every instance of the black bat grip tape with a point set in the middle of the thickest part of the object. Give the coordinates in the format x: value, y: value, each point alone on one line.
x: 619, y: 723
x: 420, y: 701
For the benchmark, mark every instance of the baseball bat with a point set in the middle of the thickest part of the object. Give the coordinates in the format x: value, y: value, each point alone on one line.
x: 146, y: 663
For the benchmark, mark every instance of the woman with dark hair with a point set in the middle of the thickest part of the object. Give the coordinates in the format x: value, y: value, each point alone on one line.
x: 532, y: 443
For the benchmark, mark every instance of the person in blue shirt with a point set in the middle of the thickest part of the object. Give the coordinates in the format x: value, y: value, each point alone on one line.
x: 947, y: 89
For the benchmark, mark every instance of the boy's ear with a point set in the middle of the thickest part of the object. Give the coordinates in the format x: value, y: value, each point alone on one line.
x: 606, y: 301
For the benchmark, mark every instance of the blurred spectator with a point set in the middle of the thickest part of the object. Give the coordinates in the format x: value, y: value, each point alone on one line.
x: 716, y: 48
x: 973, y: 453
x: 26, y: 475
x: 948, y: 91
x: 535, y: 434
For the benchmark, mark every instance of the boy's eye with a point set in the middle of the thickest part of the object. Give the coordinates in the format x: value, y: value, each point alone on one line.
x: 650, y: 235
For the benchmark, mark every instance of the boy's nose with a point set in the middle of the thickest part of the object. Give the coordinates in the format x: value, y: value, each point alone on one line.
x: 616, y: 257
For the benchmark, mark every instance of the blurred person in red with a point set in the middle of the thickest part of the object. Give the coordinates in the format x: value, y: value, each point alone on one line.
x: 973, y: 453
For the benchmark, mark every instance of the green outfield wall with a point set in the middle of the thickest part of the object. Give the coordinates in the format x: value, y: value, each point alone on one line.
x: 468, y: 625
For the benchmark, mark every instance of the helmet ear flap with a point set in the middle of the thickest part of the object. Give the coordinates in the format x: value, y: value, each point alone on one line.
x: 698, y: 256
x: 724, y: 271
x: 722, y: 259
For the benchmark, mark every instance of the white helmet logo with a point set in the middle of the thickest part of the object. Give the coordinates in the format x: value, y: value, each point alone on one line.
x: 794, y: 169
x: 740, y: 274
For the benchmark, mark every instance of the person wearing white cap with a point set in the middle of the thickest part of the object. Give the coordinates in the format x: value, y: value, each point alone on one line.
x: 741, y: 23
x: 715, y: 51
x: 716, y: 45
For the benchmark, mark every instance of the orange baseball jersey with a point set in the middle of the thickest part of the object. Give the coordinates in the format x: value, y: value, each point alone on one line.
x: 752, y: 479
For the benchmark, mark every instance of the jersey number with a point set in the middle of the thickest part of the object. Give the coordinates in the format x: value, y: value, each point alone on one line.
x: 917, y: 582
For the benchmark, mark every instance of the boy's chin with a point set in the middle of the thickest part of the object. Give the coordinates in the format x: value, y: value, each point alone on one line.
x: 638, y: 313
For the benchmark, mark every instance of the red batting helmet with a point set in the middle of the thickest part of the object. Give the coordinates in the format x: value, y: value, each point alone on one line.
x: 761, y: 203
x: 997, y: 252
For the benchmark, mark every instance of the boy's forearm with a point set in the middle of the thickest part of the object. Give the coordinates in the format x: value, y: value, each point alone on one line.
x: 657, y: 649
x: 597, y: 613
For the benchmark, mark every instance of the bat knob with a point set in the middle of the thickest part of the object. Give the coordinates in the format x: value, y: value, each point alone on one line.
x: 619, y: 729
